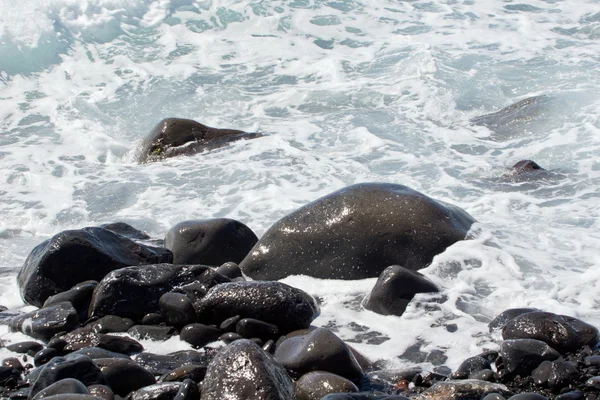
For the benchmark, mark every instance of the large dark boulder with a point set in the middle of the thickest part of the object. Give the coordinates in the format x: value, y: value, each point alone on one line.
x: 46, y: 322
x: 521, y: 356
x: 75, y: 256
x: 133, y: 292
x: 243, y: 371
x: 176, y: 136
x: 210, y: 242
x: 356, y: 233
x: 276, y: 303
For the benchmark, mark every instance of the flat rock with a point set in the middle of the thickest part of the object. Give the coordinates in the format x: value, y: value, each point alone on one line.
x: 75, y: 256
x: 315, y: 385
x: 356, y: 233
x: 46, y: 322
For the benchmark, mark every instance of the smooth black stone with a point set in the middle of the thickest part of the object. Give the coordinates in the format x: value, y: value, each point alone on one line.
x: 80, y: 255
x: 195, y: 372
x: 177, y: 309
x: 393, y: 376
x: 160, y: 364
x: 188, y: 391
x: 242, y: 370
x: 197, y: 289
x: 13, y: 362
x: 199, y: 335
x: 357, y: 232
x: 318, y: 349
x: 494, y: 396
x: 68, y: 385
x: 317, y: 384
x: 469, y: 366
x: 44, y: 323
x: 71, y: 396
x: 572, y: 395
x: 451, y: 328
x: 561, y: 332
x: 101, y: 391
x: 269, y: 347
x: 230, y: 337
x: 152, y: 319
x: 521, y: 356
x: 110, y: 324
x: 58, y: 344
x: 152, y: 332
x: 230, y: 270
x: 463, y: 389
x: 363, y: 396
x: 79, y: 296
x: 30, y: 348
x: 45, y: 355
x: 124, y: 376
x: 230, y: 324
x: 436, y: 357
x: 593, y: 382
x: 118, y: 344
x: 157, y: 391
x: 484, y: 375
x: 81, y: 368
x: 250, y: 328
x: 507, y: 315
x: 8, y: 373
x: 592, y: 361
x: 95, y: 353
x: 133, y: 292
x: 210, y: 242
x: 395, y: 288
x: 528, y: 396
x: 273, y: 302
x: 123, y: 229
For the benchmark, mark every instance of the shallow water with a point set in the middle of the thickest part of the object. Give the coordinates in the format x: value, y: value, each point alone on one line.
x: 344, y: 92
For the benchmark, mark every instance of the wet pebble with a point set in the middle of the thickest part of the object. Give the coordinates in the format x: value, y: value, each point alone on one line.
x: 199, y: 335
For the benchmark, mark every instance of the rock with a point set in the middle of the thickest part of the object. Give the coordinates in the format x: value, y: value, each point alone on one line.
x: 173, y: 137
x: 315, y: 385
x: 572, y: 395
x: 133, y: 292
x: 395, y: 288
x: 79, y: 296
x: 484, y: 375
x: 317, y: 350
x: 555, y: 374
x: 357, y: 232
x: 521, y: 356
x: 250, y: 328
x: 210, y: 242
x: 195, y: 372
x: 393, y: 376
x: 593, y: 382
x: 79, y: 340
x: 177, y: 309
x: 94, y: 353
x: 527, y: 396
x: 363, y: 396
x: 45, y: 355
x: 29, y: 347
x: 151, y: 332
x: 561, y: 332
x: 242, y: 370
x: 13, y: 363
x: 188, y: 391
x: 123, y: 229
x: 80, y: 255
x: 101, y: 391
x: 44, y: 323
x: 507, y: 315
x: 124, y: 376
x: 231, y: 270
x: 463, y: 389
x: 160, y: 364
x: 81, y: 368
x: 230, y: 324
x: 68, y: 385
x: 273, y: 302
x: 58, y: 344
x: 199, y: 335
x: 469, y: 366
x: 158, y: 391
x: 71, y: 396
x: 230, y: 337
x: 7, y: 374
x: 269, y: 347
x: 524, y: 166
x: 494, y: 396
x: 152, y: 319
x: 110, y: 324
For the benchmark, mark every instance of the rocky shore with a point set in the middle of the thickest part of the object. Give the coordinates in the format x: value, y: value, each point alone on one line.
x: 100, y: 290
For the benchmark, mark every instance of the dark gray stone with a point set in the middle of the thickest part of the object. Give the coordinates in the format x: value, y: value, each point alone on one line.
x: 74, y: 256
x: 199, y: 335
x: 507, y: 315
x: 152, y: 319
x: 395, y: 288
x: 528, y: 396
x: 521, y: 356
x: 317, y: 384
x: 68, y: 385
x: 251, y: 328
x: 561, y: 332
x: 8, y: 373
x: 356, y: 233
x: 110, y: 324
x: 363, y: 396
x: 177, y: 309
x: 210, y: 242
x: 123, y: 229
x: 95, y: 353
x: 318, y: 350
x: 13, y: 362
x: 160, y: 364
x: 152, y: 332
x: 189, y: 391
x: 230, y: 337
x: 230, y: 324
x: 158, y: 391
x: 555, y: 374
x: 463, y: 389
x: 79, y: 296
x: 195, y: 372
x: 231, y: 270
x: 29, y: 347
x: 173, y: 137
x: 242, y: 370
x: 124, y: 376
x: 44, y: 323
x: 273, y: 302
x: 78, y: 340
x: 469, y: 366
x: 101, y: 391
x: 81, y: 368
x: 45, y: 355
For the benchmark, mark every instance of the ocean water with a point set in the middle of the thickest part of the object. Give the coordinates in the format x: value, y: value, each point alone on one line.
x: 344, y: 91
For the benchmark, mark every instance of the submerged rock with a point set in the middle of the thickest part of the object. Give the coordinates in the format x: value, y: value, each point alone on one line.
x: 176, y: 136
x: 357, y: 232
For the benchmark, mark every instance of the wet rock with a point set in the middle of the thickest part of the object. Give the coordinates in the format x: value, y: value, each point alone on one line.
x: 269, y: 347
x: 58, y: 344
x: 29, y: 347
x: 315, y: 385
x: 124, y: 376
x: 555, y: 375
x: 210, y: 242
x: 250, y: 328
x: 94, y: 353
x: 81, y: 368
x: 133, y: 292
x: 357, y: 232
x: 231, y: 270
x: 484, y: 375
x: 195, y: 372
x: 110, y: 324
x: 177, y: 309
x: 158, y: 391
x: 507, y: 315
x: 363, y: 396
x: 524, y: 166
x: 80, y: 255
x: 470, y: 366
x: 230, y: 337
x: 71, y: 396
x: 79, y: 296
x: 123, y: 229
x: 159, y: 364
x: 395, y: 288
x: 494, y: 396
x: 151, y: 332
x: 572, y: 395
x: 521, y: 356
x: 230, y: 324
x: 318, y: 349
x: 101, y: 391
x: 188, y: 391
x: 44, y: 323
x: 152, y: 319
x: 463, y: 389
x: 118, y: 344
x: 68, y: 385
x: 561, y: 332
x: 13, y: 362
x: 242, y: 370
x: 528, y: 396
x: 8, y: 373
x: 273, y: 302
x: 392, y: 376
x: 199, y: 335
x: 45, y: 355
x: 593, y: 382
